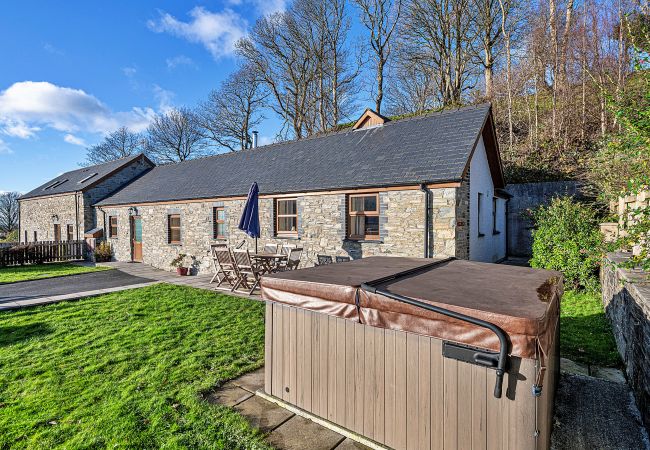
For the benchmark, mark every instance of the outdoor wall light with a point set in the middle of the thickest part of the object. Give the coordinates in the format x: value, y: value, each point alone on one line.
x: 55, y: 218
x: 133, y: 211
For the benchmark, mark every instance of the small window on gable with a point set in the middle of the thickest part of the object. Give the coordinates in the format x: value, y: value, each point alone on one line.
x: 363, y: 217
x: 174, y: 229
x: 218, y: 223
x: 286, y: 217
x: 112, y: 226
x: 70, y: 232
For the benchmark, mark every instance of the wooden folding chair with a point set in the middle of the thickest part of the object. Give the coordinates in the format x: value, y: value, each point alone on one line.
x: 271, y: 248
x: 293, y: 260
x: 224, y: 269
x: 248, y: 272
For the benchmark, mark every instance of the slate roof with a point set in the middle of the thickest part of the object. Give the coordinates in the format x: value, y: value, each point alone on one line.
x: 70, y: 181
x: 423, y: 149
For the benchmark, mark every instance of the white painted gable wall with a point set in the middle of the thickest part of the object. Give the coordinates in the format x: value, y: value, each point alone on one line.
x: 491, y: 246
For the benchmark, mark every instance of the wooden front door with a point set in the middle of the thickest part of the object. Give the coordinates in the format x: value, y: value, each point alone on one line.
x: 57, y: 232
x: 136, y: 239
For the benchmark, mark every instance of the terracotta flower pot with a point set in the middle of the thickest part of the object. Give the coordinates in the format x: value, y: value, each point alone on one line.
x: 182, y: 271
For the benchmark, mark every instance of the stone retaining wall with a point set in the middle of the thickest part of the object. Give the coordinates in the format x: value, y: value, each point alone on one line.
x: 321, y: 227
x: 626, y: 297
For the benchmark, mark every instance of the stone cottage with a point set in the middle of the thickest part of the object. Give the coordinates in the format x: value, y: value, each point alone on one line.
x: 424, y: 186
x: 62, y: 208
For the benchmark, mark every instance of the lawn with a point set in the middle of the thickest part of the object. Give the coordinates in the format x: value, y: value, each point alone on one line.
x: 127, y: 370
x: 585, y: 334
x: 39, y: 271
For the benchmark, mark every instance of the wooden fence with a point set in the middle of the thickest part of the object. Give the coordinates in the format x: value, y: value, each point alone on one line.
x: 41, y: 252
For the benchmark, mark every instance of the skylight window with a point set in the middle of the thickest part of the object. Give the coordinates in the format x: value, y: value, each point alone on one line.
x: 55, y: 184
x: 88, y: 178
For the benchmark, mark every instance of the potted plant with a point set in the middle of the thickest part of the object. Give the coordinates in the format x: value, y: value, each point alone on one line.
x: 178, y: 263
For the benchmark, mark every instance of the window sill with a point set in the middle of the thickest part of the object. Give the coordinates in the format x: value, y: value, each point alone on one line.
x: 288, y: 238
x: 364, y: 241
x: 175, y: 244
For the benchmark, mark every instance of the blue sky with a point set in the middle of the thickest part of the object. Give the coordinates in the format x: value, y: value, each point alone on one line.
x: 75, y: 70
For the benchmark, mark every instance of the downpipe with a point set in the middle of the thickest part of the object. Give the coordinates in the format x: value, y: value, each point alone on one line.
x: 427, y: 218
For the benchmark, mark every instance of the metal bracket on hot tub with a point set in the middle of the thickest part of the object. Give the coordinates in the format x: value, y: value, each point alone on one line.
x: 487, y: 359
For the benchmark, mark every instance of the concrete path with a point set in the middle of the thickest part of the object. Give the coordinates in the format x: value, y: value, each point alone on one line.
x: 592, y: 413
x: 52, y: 290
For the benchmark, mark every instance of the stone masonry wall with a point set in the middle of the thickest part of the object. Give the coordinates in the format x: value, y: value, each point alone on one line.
x: 108, y: 186
x: 38, y: 214
x: 321, y: 228
x: 626, y: 297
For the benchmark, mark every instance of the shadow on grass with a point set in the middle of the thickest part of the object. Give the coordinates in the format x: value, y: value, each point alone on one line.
x: 585, y: 332
x: 588, y: 340
x: 10, y: 335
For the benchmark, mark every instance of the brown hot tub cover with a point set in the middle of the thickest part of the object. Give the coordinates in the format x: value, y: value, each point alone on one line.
x: 523, y: 302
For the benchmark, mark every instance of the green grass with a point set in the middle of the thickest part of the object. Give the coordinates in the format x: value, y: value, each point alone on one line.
x: 585, y: 334
x: 40, y: 271
x: 127, y: 370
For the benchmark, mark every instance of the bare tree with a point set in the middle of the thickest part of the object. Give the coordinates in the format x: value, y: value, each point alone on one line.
x: 489, y: 29
x: 342, y: 70
x: 118, y: 144
x: 278, y: 48
x: 439, y: 33
x: 412, y: 89
x: 231, y: 112
x: 381, y: 18
x: 9, y: 210
x: 303, y: 60
x: 175, y: 136
x: 505, y: 6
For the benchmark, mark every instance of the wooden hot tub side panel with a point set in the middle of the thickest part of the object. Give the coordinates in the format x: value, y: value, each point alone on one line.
x: 396, y: 388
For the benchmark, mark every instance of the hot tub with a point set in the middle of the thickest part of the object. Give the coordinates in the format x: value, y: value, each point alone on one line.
x: 418, y: 353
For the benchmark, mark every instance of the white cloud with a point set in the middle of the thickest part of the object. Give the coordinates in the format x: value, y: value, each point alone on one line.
x: 266, y: 7
x: 265, y: 140
x: 19, y: 129
x: 52, y: 49
x: 180, y: 60
x: 28, y: 106
x: 74, y: 140
x: 216, y: 31
x: 4, y: 148
x: 129, y: 71
x: 164, y: 98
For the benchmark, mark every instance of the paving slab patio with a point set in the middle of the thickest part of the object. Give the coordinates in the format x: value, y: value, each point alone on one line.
x: 590, y: 413
x: 199, y: 281
x: 299, y: 433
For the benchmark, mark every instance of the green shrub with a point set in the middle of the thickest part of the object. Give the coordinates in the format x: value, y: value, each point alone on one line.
x: 103, y: 252
x: 567, y: 238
